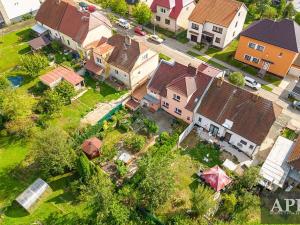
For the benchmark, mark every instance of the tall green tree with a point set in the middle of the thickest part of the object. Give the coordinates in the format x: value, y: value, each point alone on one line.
x: 289, y: 11
x: 4, y: 83
x: 262, y: 5
x: 297, y: 18
x: 33, y: 63
x: 281, y: 7
x: 249, y: 180
x: 84, y: 168
x: 50, y: 103
x: 66, y: 91
x: 142, y: 13
x: 52, y: 152
x: 203, y: 200
x: 270, y: 12
x: 120, y: 7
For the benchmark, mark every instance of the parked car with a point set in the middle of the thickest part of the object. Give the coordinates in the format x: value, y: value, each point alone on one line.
x: 83, y: 5
x: 123, y: 23
x: 139, y: 30
x: 91, y: 8
x: 156, y: 39
x: 250, y: 82
x: 296, y: 105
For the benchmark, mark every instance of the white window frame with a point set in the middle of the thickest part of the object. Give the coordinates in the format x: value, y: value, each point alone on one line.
x: 257, y: 46
x: 178, y: 111
x: 251, y: 43
x: 176, y: 97
x: 247, y: 59
x: 252, y: 60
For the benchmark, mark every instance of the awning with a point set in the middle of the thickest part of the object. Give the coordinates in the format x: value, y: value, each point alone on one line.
x: 92, y: 67
x: 39, y: 42
x: 39, y: 29
x: 132, y: 105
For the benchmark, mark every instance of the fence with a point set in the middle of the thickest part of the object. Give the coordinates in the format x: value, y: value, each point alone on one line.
x: 185, y: 133
x: 110, y: 113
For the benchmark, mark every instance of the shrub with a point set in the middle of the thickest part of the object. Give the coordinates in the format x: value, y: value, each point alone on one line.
x: 150, y: 126
x: 237, y: 79
x: 33, y: 64
x: 121, y: 168
x: 135, y: 142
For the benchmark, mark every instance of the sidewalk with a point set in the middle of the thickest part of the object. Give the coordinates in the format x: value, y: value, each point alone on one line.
x: 17, y: 26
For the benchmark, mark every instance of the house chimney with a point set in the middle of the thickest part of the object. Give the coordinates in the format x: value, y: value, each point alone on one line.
x: 127, y: 40
x: 192, y: 70
x: 220, y: 81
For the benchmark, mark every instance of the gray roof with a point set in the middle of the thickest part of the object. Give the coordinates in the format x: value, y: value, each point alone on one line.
x: 284, y: 33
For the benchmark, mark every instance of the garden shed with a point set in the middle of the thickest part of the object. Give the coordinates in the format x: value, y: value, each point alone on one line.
x: 91, y: 147
x: 216, y: 178
x: 32, y: 194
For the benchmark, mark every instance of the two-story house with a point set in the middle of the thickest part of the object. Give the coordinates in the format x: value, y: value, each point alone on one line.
x: 121, y: 58
x: 172, y: 14
x: 178, y: 89
x: 13, y: 10
x: 271, y: 46
x: 73, y: 26
x: 216, y: 22
x: 237, y: 116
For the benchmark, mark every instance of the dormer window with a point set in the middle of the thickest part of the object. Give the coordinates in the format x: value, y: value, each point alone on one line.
x: 98, y: 60
x: 176, y: 97
x: 162, y: 10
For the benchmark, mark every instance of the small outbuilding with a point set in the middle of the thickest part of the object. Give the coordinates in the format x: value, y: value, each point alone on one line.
x: 216, y: 178
x: 32, y: 194
x: 91, y: 147
x: 39, y: 43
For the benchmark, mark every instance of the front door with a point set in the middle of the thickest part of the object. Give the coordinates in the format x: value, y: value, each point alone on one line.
x: 266, y: 66
x: 227, y: 137
x: 194, y: 38
x: 213, y: 130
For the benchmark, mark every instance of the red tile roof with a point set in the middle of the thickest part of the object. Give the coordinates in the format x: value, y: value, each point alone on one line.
x: 185, y: 80
x: 91, y: 147
x: 175, y: 5
x: 92, y: 67
x: 252, y: 116
x: 294, y: 158
x: 132, y: 105
x: 220, y: 12
x: 61, y: 73
x: 67, y: 19
x: 216, y: 178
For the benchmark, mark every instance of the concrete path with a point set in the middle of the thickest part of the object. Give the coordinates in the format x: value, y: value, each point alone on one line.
x: 17, y: 26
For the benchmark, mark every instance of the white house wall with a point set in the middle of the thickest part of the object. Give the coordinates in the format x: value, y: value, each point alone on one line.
x: 182, y: 20
x: 232, y: 31
x: 144, y: 67
x: 96, y: 34
x: 163, y: 17
x: 121, y: 75
x: 235, y: 138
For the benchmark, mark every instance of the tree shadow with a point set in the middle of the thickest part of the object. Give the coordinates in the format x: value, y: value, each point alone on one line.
x: 24, y: 50
x: 25, y: 35
x: 15, y: 211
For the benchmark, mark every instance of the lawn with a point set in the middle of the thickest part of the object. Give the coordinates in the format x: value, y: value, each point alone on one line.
x: 164, y: 57
x: 210, y: 62
x: 12, y: 45
x: 71, y: 115
x: 182, y: 37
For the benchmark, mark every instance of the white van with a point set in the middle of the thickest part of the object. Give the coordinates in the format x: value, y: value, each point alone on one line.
x: 250, y: 82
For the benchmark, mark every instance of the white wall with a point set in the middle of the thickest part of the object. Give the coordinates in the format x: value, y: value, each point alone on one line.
x: 96, y: 34
x: 121, y: 75
x: 163, y: 16
x: 144, y: 67
x: 235, y: 138
x: 182, y: 20
x: 294, y: 71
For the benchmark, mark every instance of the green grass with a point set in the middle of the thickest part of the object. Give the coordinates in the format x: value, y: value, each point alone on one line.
x: 164, y: 57
x: 267, y: 88
x: 210, y: 62
x: 199, y: 47
x: 182, y: 37
x: 289, y: 134
x: 13, y: 45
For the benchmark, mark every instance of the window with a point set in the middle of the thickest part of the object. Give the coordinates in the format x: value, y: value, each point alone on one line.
x: 162, y: 10
x: 251, y: 146
x: 176, y: 97
x: 167, y: 21
x: 236, y: 23
x: 98, y: 60
x: 251, y: 45
x: 255, y: 60
x: 188, y: 118
x: 217, y: 29
x: 157, y: 18
x: 166, y: 105
x: 218, y: 40
x: 247, y: 57
x: 195, y: 26
x: 178, y: 111
x: 68, y: 42
x: 199, y: 119
x: 116, y: 72
x: 243, y: 142
x: 233, y: 34
x: 260, y: 48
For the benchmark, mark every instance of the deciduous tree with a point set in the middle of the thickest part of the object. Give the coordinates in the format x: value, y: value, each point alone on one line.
x: 33, y: 63
x: 203, y: 200
x: 142, y: 13
x: 237, y: 79
x: 66, y: 91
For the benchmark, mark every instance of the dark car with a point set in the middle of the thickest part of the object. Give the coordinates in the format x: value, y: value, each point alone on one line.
x: 296, y: 105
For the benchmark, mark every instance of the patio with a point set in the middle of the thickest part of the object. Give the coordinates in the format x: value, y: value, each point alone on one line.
x: 224, y: 146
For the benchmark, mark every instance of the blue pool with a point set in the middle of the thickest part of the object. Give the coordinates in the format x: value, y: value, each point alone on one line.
x: 16, y: 81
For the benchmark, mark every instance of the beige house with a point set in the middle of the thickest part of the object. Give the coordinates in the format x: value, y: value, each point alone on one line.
x: 127, y: 61
x: 172, y: 14
x: 216, y: 22
x: 73, y: 26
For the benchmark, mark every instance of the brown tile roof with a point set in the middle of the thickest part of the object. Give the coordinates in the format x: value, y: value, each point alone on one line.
x: 103, y: 49
x: 124, y: 56
x: 92, y: 67
x: 252, y: 116
x: 91, y: 147
x: 284, y: 33
x: 185, y: 80
x: 220, y: 12
x: 51, y: 12
x: 61, y: 73
x: 294, y: 158
x: 67, y: 19
x: 132, y: 105
x: 140, y: 91
x: 39, y: 42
